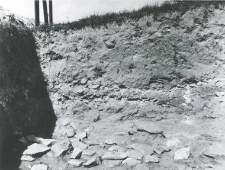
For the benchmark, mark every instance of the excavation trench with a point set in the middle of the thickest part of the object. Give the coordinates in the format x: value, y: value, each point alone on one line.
x: 25, y: 107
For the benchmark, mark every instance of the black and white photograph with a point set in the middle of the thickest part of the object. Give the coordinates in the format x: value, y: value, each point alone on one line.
x: 112, y: 85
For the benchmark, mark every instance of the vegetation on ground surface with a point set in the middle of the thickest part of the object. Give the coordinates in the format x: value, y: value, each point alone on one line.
x: 96, y: 21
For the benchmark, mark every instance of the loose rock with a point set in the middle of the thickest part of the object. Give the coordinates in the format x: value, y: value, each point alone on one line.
x: 36, y: 149
x: 27, y: 158
x: 76, y: 154
x: 216, y: 150
x: 75, y: 163
x: 60, y: 148
x: 39, y: 167
x: 114, y: 156
x: 182, y: 154
x: 130, y: 162
x: 77, y: 143
x: 82, y: 135
x: 116, y: 148
x: 83, y: 81
x: 153, y: 158
x: 93, y: 162
x: 160, y: 149
x: 70, y: 132
x: 88, y: 152
x: 144, y: 149
x: 46, y: 142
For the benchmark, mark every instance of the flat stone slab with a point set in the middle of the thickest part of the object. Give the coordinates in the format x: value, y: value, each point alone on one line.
x: 116, y: 148
x: 114, y: 156
x: 135, y: 154
x: 36, y: 149
x: 143, y: 148
x: 216, y: 150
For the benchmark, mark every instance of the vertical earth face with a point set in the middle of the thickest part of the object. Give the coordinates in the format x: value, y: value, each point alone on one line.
x: 25, y: 107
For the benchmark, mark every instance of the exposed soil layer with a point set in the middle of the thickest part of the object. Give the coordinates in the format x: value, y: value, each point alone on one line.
x: 142, y: 95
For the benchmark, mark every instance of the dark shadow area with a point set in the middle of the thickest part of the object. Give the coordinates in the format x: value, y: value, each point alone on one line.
x: 25, y: 106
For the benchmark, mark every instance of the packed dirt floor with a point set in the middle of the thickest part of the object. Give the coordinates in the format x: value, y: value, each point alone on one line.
x: 141, y: 95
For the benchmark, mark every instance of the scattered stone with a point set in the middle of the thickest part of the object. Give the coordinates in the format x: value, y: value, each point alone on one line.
x: 46, y: 142
x: 216, y: 150
x: 151, y: 129
x: 93, y: 162
x: 160, y: 149
x: 76, y: 154
x: 130, y: 162
x: 97, y: 118
x: 94, y: 86
x: 76, y: 163
x: 182, y: 154
x: 112, y: 163
x: 172, y: 143
x: 60, y: 148
x: 88, y: 152
x: 135, y: 154
x: 114, y: 156
x: 64, y: 122
x: 27, y: 158
x: 36, y: 149
x: 110, y: 142
x: 132, y: 132
x: 82, y: 135
x: 39, y: 167
x: 83, y: 81
x: 153, y: 158
x: 74, y: 125
x: 70, y: 132
x: 89, y: 129
x: 110, y: 44
x: 145, y: 149
x: 77, y: 143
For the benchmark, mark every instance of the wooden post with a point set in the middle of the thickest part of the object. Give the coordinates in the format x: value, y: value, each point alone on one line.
x: 45, y: 9
x: 50, y: 12
x: 36, y: 8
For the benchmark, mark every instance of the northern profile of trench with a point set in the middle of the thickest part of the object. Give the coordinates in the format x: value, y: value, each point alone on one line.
x: 25, y: 106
